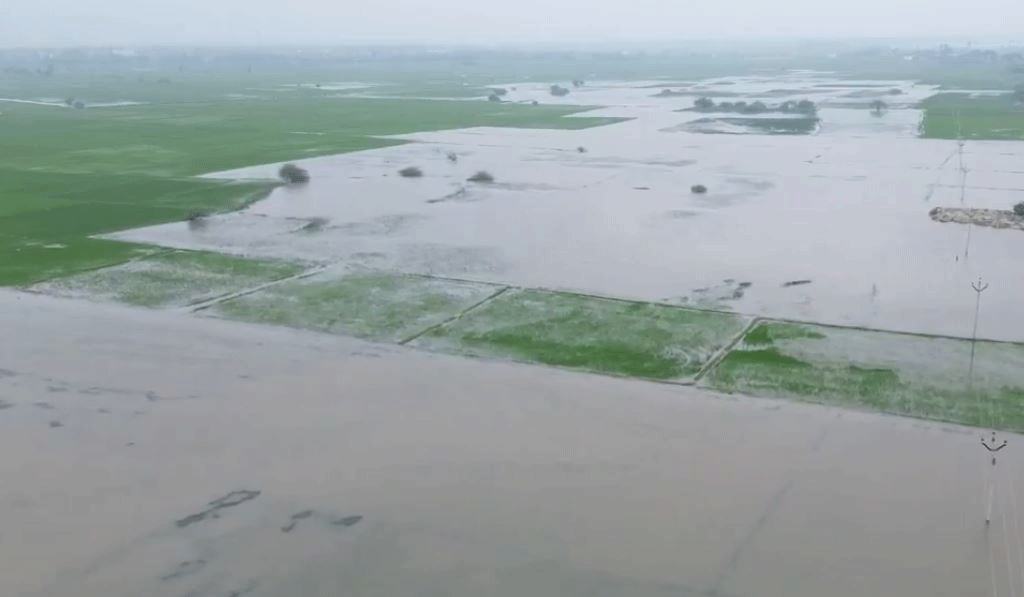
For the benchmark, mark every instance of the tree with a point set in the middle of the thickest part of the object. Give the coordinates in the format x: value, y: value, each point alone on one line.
x: 757, y: 108
x: 878, y: 107
x: 806, y: 107
x: 698, y: 189
x: 1019, y: 209
x: 292, y: 174
x: 410, y: 172
x: 494, y: 97
x: 559, y: 91
x: 481, y: 176
x: 704, y: 104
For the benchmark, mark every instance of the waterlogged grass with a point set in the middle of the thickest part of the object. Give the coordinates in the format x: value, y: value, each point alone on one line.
x: 599, y: 335
x: 886, y: 372
x: 378, y: 306
x: 68, y: 175
x: 172, y: 279
x: 948, y: 115
x: 754, y: 126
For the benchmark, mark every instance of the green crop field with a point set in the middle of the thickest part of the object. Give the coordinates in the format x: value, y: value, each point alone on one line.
x: 170, y: 279
x: 887, y: 372
x: 592, y: 334
x: 379, y: 306
x: 948, y: 115
x: 69, y: 174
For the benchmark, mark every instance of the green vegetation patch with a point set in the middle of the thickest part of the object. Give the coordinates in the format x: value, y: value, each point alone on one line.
x: 172, y: 279
x: 752, y: 126
x: 892, y: 373
x: 593, y: 334
x: 950, y: 115
x: 68, y: 175
x: 378, y: 306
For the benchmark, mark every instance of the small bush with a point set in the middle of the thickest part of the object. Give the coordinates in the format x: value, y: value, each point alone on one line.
x: 499, y: 91
x: 698, y: 189
x: 292, y: 174
x: 481, y: 176
x: 196, y: 220
x: 315, y: 225
x: 704, y: 104
x: 559, y: 91
x: 452, y: 157
x: 581, y: 149
x: 411, y: 172
x: 1019, y: 209
x: 494, y: 97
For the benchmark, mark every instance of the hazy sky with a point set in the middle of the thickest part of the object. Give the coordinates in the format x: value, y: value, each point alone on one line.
x: 255, y: 22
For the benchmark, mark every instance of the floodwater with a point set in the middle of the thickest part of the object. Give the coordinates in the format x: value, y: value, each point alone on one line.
x: 845, y: 209
x: 154, y: 453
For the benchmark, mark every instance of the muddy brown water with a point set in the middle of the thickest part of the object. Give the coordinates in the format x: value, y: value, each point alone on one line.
x: 307, y: 464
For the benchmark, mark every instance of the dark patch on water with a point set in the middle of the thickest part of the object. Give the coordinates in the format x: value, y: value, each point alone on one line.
x: 55, y: 424
x: 714, y: 296
x: 228, y: 501
x: 295, y: 520
x: 4, y: 404
x: 795, y: 283
x: 755, y: 185
x: 185, y: 568
x: 382, y: 226
x: 43, y: 405
x: 680, y: 214
x: 348, y: 521
x: 56, y: 389
x: 7, y: 373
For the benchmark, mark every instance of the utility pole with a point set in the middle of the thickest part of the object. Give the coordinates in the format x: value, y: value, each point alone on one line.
x: 978, y: 287
x: 993, y: 446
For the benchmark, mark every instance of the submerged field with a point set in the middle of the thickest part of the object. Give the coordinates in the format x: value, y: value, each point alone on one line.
x: 94, y: 203
x: 170, y: 279
x: 69, y: 174
x: 593, y: 334
x: 891, y: 373
x: 372, y: 305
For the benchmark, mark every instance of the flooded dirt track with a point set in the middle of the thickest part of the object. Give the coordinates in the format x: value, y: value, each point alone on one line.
x: 212, y: 458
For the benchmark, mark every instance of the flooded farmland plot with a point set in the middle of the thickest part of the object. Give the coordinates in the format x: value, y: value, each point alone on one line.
x: 931, y: 378
x: 610, y: 210
x: 655, y: 351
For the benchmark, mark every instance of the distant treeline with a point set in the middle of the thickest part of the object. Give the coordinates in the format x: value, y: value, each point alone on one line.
x: 803, y: 107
